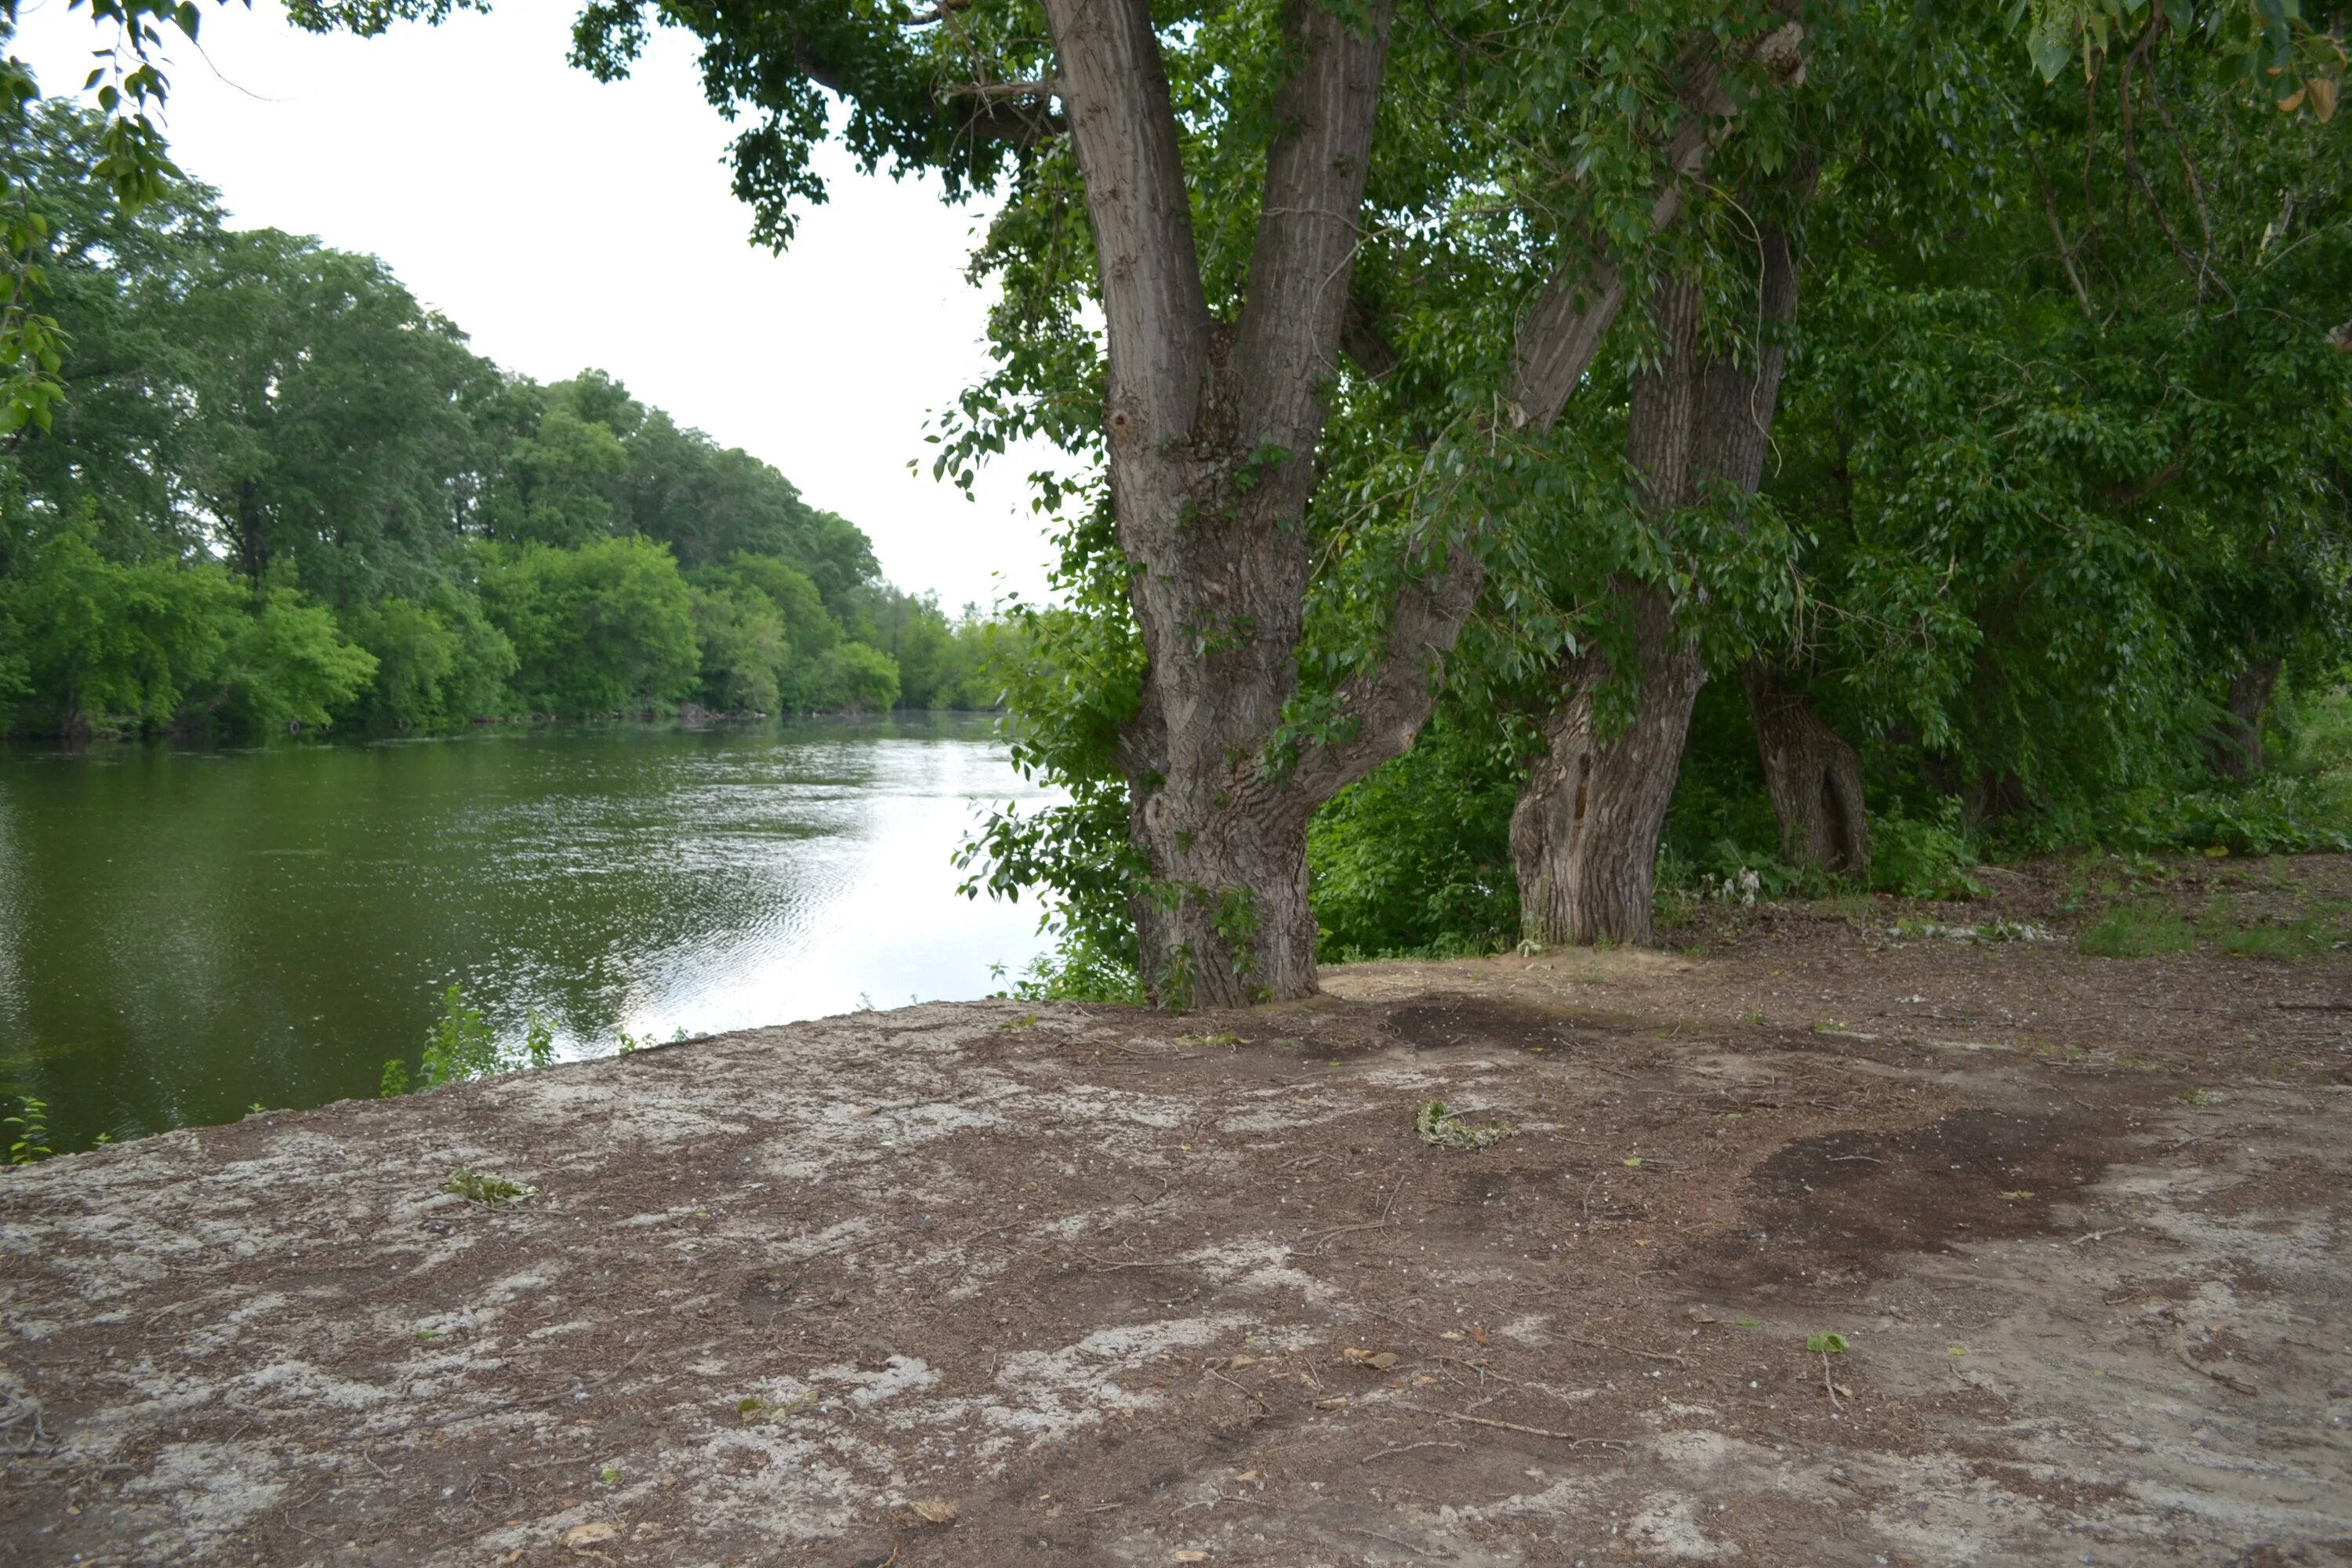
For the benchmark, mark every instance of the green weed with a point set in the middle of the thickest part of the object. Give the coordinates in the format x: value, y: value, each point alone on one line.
x: 476, y: 1187
x: 1444, y: 1129
x: 2138, y: 931
x: 754, y: 1410
x: 31, y: 1142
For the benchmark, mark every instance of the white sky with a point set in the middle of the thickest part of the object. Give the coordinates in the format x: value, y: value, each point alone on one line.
x: 564, y: 223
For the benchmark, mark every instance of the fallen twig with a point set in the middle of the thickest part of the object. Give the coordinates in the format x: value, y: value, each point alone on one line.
x: 1393, y: 1541
x: 1249, y: 1393
x: 1409, y: 1447
x: 1568, y: 1437
x: 1627, y: 1350
x: 1322, y: 1238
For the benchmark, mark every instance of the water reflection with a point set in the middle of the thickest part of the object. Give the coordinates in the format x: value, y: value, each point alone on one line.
x: 184, y: 933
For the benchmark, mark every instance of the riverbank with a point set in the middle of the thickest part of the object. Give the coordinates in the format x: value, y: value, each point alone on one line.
x: 987, y: 1283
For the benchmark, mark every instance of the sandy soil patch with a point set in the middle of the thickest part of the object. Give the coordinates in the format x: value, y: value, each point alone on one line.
x: 996, y: 1284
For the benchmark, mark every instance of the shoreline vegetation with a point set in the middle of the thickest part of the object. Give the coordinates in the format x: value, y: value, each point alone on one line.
x: 280, y: 496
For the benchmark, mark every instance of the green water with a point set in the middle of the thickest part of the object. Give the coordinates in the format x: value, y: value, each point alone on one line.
x: 184, y: 933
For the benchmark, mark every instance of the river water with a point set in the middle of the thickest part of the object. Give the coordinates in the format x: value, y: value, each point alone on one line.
x: 187, y: 933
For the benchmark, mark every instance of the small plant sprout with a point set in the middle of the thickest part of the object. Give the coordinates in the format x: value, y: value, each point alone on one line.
x: 754, y: 1410
x: 30, y: 1143
x: 1826, y: 1346
x: 1442, y: 1129
x: 537, y: 1041
x: 610, y: 1474
x: 476, y: 1187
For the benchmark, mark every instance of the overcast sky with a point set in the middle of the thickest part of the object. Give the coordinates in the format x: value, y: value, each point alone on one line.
x: 565, y: 223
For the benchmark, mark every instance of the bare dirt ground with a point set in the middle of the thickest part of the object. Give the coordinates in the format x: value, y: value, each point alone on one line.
x: 996, y: 1284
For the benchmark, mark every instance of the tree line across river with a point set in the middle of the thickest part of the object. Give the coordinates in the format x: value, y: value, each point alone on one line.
x: 278, y: 492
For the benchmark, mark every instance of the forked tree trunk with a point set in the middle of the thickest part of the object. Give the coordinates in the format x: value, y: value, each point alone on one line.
x: 1584, y: 834
x: 1211, y: 430
x: 1812, y: 775
x: 2235, y: 751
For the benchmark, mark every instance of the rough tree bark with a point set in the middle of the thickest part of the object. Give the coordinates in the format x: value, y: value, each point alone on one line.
x: 1584, y: 834
x: 1813, y: 777
x: 2235, y: 751
x: 1212, y: 429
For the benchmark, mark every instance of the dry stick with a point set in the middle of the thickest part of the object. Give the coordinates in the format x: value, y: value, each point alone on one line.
x: 1570, y: 1437
x: 1393, y: 1541
x: 1831, y: 1388
x: 1229, y: 1383
x: 1323, y: 1237
x: 1409, y: 1447
x: 1627, y: 1350
x: 499, y: 1406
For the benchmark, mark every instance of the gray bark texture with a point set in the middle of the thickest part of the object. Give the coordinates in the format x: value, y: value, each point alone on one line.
x: 2236, y: 749
x: 1584, y: 834
x: 1212, y: 429
x: 1813, y: 777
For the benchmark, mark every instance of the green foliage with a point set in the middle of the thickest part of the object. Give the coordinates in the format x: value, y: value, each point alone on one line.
x: 101, y: 645
x: 462, y: 1045
x: 2138, y: 930
x: 1417, y: 858
x: 30, y: 1143
x: 855, y: 677
x: 273, y: 492
x: 438, y: 662
x: 605, y: 628
x: 476, y: 1187
x: 1826, y: 1345
x: 1923, y: 859
x: 287, y: 667
x: 1440, y: 1127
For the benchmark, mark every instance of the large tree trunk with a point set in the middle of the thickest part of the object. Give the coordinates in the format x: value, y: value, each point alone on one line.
x: 2235, y: 751
x: 1211, y: 430
x: 1584, y: 834
x: 1812, y: 775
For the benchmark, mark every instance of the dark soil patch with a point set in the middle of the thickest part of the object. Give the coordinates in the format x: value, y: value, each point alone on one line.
x: 1857, y: 1201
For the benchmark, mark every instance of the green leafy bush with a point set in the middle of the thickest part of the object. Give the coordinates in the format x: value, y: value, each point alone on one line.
x: 1923, y: 858
x: 605, y: 628
x: 288, y: 667
x: 463, y: 1046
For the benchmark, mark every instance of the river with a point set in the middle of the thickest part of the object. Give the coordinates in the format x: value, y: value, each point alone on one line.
x: 187, y: 933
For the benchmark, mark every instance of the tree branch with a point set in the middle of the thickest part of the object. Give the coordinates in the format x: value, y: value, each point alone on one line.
x: 1387, y: 704
x: 1563, y: 329
x: 1288, y: 343
x: 1113, y: 90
